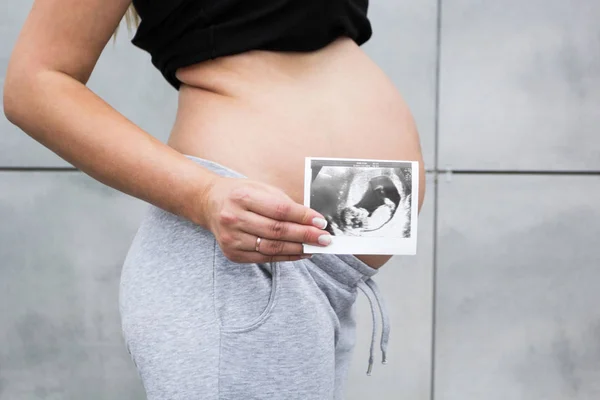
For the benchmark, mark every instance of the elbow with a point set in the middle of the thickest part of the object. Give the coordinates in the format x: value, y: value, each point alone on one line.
x: 8, y: 101
x: 12, y: 98
x: 17, y: 96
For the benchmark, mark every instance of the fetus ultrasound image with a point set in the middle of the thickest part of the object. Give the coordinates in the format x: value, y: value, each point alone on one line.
x: 363, y: 200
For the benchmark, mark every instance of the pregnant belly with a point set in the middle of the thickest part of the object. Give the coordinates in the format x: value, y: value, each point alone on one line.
x: 260, y: 113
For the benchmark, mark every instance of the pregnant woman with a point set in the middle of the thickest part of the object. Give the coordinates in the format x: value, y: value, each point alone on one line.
x: 217, y: 299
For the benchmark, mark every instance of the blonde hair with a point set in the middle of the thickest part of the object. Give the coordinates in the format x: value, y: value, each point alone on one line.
x: 132, y: 19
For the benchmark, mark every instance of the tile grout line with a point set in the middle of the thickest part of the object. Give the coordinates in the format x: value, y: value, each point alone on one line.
x: 438, y: 56
x: 434, y: 283
x: 39, y: 169
x: 427, y: 171
x: 520, y: 172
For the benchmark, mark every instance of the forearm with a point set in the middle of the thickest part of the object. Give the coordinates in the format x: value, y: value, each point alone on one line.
x: 64, y: 115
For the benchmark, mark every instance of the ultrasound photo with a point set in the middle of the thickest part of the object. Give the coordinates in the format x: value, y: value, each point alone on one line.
x: 369, y: 205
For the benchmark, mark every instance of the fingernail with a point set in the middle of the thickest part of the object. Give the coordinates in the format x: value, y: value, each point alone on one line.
x: 319, y: 222
x: 306, y: 256
x: 324, y: 239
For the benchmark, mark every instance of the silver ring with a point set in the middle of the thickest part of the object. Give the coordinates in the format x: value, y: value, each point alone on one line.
x: 258, y: 239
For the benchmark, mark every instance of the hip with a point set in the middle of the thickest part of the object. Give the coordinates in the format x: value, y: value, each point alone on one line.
x: 186, y: 308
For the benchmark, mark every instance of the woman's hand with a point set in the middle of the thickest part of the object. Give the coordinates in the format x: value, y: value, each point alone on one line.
x: 238, y: 210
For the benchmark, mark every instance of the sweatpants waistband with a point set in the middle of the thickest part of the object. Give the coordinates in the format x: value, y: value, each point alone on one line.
x: 357, y: 276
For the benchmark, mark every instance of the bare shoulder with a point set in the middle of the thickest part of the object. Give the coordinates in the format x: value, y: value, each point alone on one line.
x: 66, y: 36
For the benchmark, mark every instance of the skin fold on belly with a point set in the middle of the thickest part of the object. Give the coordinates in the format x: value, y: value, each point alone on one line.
x: 260, y: 113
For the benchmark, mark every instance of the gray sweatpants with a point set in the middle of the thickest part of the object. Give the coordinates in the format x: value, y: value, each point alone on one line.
x: 199, y: 326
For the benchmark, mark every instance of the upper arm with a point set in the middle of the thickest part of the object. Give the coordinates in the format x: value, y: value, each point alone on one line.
x: 66, y: 36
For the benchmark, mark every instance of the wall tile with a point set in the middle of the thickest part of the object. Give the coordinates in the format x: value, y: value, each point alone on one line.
x: 64, y: 238
x: 60, y: 307
x: 123, y: 77
x: 520, y: 85
x: 404, y: 46
x: 517, y: 288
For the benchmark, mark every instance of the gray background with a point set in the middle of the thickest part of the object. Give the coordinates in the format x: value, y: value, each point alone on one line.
x: 501, y: 301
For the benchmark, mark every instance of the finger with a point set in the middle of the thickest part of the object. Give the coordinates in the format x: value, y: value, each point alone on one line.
x: 255, y: 257
x: 281, y: 208
x: 268, y: 246
x: 267, y: 228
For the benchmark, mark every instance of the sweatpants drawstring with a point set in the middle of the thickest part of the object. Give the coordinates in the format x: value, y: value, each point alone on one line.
x: 371, y: 290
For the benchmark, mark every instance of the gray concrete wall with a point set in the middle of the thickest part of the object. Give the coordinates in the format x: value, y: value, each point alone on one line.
x: 501, y: 300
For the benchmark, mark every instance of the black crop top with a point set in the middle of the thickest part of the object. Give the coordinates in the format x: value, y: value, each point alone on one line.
x: 178, y: 33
